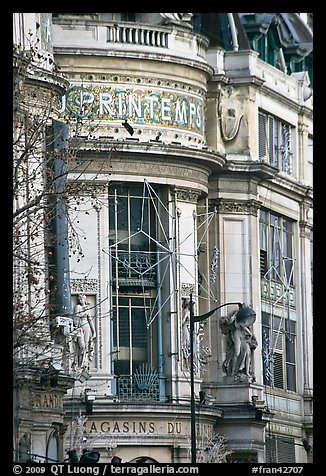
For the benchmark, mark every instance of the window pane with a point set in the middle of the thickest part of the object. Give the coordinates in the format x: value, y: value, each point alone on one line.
x: 139, y: 331
x: 290, y: 349
x: 124, y: 332
x: 277, y: 341
x: 263, y: 236
x: 263, y: 215
x: 135, y: 214
x: 265, y: 319
x: 122, y: 218
x: 290, y: 377
x: 276, y: 321
x: 290, y: 326
x: 52, y: 451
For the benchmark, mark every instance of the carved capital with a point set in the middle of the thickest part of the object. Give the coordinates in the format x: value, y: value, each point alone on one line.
x: 227, y: 205
x: 187, y: 195
x: 305, y: 229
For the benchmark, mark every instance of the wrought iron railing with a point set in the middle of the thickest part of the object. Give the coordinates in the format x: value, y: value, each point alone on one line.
x: 143, y: 385
x: 134, y: 268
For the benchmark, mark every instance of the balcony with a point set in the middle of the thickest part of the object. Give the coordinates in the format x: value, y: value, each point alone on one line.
x: 78, y: 35
x: 277, y: 293
x: 137, y: 35
x: 142, y: 386
x: 134, y: 268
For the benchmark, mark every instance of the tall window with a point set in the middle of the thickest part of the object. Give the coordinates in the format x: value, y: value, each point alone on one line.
x: 278, y: 352
x: 133, y: 249
x: 275, y: 142
x: 131, y: 338
x: 276, y: 247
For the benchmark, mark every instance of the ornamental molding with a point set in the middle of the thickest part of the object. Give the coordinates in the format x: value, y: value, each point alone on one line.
x: 135, y: 80
x: 87, y: 188
x: 84, y: 285
x: 248, y: 207
x: 305, y: 229
x: 187, y: 195
x: 143, y: 165
x: 187, y: 289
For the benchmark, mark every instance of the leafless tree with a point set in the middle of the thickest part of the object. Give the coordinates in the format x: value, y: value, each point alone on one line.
x: 43, y: 155
x: 211, y: 449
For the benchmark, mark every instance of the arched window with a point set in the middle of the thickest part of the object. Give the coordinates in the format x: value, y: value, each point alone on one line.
x: 52, y: 448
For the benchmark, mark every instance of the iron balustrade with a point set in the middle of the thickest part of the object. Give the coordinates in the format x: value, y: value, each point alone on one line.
x: 134, y: 268
x: 143, y: 385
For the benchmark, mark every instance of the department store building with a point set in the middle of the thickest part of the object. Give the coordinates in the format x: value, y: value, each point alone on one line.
x: 191, y: 179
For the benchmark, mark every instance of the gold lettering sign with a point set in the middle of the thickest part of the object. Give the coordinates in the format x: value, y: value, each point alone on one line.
x: 148, y: 427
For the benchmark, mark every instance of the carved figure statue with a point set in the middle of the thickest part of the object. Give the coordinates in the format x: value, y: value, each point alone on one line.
x: 86, y: 333
x: 185, y: 343
x: 240, y: 343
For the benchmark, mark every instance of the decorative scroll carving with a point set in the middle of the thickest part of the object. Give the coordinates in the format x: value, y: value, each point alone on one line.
x: 84, y: 285
x: 226, y: 205
x: 187, y: 195
x: 187, y: 289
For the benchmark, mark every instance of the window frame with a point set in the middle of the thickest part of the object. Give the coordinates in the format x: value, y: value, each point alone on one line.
x: 280, y: 333
x: 131, y: 209
x: 276, y: 142
x: 276, y: 232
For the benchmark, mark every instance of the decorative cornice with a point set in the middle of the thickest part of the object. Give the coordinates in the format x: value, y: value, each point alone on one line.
x: 135, y: 80
x: 102, y: 145
x: 81, y: 187
x: 38, y: 76
x: 227, y: 205
x: 260, y: 169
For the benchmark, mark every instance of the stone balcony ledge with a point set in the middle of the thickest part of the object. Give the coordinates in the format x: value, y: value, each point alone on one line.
x: 128, y: 39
